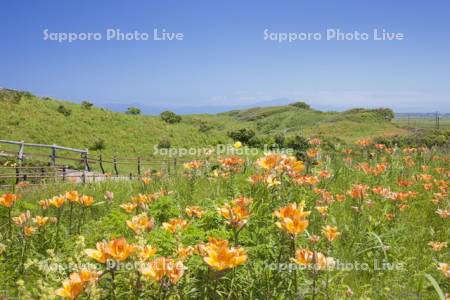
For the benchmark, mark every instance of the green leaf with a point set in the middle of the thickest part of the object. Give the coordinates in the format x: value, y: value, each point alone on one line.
x: 436, y: 286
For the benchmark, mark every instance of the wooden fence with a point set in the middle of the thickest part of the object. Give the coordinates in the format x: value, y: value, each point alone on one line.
x: 60, y: 164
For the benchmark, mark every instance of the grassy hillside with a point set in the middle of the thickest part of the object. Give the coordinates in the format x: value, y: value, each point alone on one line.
x: 40, y: 120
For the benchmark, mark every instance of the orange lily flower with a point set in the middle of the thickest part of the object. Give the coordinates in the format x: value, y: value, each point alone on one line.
x: 117, y: 249
x: 292, y: 219
x: 8, y: 200
x: 163, y: 267
x: 140, y: 223
x: 219, y: 256
x: 175, y: 224
x: 194, y: 211
x: 86, y: 200
x: 330, y: 232
x: 128, y: 207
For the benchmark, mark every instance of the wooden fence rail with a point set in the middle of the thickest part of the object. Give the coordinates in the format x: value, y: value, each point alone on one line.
x: 54, y: 168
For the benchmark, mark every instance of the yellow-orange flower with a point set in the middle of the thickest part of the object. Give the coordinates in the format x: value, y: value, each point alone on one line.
x: 22, y: 218
x: 330, y: 232
x: 323, y: 210
x: 269, y: 161
x: 146, y: 180
x: 312, y: 153
x: 86, y: 200
x: 117, y: 249
x: 72, y: 196
x: 445, y: 269
x: 163, y: 267
x: 193, y: 165
x: 175, y: 225
x: 184, y: 252
x: 437, y: 246
x: 292, y: 218
x: 76, y: 283
x: 128, y: 207
x: 237, y: 215
x: 28, y: 230
x: 194, y: 211
x: 306, y: 257
x: 219, y: 256
x: 146, y: 252
x: 358, y: 191
x: 57, y: 201
x: 8, y: 200
x: 232, y: 163
x: 140, y: 223
x: 40, y: 220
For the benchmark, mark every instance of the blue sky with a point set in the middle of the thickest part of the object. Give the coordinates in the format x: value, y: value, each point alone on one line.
x: 224, y: 59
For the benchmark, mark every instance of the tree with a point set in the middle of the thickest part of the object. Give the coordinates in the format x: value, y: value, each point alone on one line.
x: 301, y: 104
x: 243, y: 135
x: 133, y: 111
x: 170, y: 117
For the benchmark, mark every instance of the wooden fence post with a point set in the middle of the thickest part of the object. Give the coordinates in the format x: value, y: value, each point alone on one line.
x: 101, y: 164
x: 168, y: 167
x: 20, y: 161
x: 86, y: 161
x: 64, y: 173
x: 17, y: 174
x: 53, y: 157
x: 175, y: 166
x: 115, y: 165
x: 139, y: 166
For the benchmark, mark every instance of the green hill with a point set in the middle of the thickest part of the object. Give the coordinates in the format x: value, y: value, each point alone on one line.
x: 49, y: 121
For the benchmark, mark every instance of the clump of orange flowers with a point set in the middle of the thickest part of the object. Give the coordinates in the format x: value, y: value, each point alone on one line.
x: 162, y: 268
x: 8, y: 200
x: 237, y: 212
x: 305, y: 257
x: 140, y: 223
x: 117, y: 249
x: 232, y: 163
x: 194, y: 211
x: 293, y: 218
x: 193, y: 165
x: 219, y: 256
x: 76, y: 283
x: 175, y: 224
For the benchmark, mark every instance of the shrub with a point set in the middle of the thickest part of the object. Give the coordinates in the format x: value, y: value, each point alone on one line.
x: 385, y: 113
x: 301, y: 104
x: 170, y: 117
x: 10, y: 95
x: 63, y: 110
x: 98, y: 145
x: 133, y: 111
x: 243, y: 135
x: 280, y: 140
x: 299, y: 144
x: 164, y: 144
x: 86, y: 105
x: 204, y: 126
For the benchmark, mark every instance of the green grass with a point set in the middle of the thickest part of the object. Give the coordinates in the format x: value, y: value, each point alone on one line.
x: 367, y: 237
x: 422, y: 123
x: 37, y: 120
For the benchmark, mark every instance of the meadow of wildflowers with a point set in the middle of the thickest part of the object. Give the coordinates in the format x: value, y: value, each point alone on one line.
x: 364, y: 221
